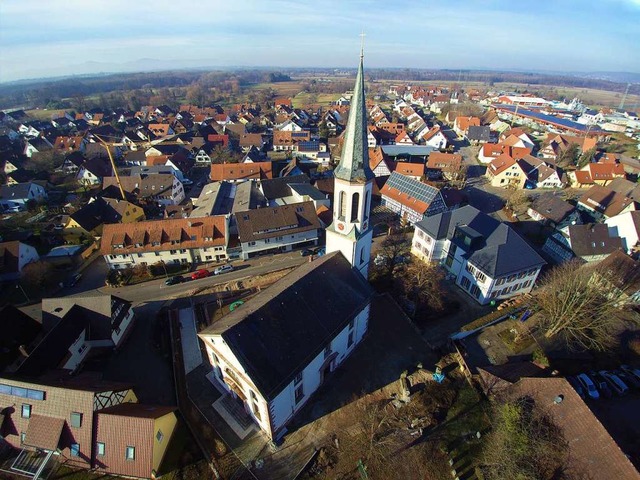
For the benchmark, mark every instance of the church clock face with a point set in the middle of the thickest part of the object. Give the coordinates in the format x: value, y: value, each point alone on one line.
x: 340, y: 226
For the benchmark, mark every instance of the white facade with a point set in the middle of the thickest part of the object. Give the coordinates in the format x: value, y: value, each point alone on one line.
x: 273, y: 415
x: 469, y: 277
x: 36, y: 193
x: 438, y: 141
x: 623, y: 226
x: 351, y: 232
x: 283, y: 243
x: 85, y: 177
x: 176, y: 256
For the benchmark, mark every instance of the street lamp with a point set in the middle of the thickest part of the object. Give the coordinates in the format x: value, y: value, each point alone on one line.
x: 165, y: 268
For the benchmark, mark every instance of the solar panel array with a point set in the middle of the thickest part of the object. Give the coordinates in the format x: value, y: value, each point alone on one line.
x: 415, y: 188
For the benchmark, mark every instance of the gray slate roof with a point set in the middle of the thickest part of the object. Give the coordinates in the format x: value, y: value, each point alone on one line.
x: 594, y: 239
x: 552, y: 207
x: 496, y: 250
x: 354, y: 161
x: 278, y: 332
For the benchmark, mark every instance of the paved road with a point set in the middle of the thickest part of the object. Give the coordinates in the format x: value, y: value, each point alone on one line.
x: 157, y: 290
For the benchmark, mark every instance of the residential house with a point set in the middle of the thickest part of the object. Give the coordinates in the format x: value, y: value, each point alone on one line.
x: 238, y: 172
x: 72, y: 420
x: 75, y: 328
x: 479, y: 134
x: 509, y: 137
x: 604, y: 202
x: 132, y: 438
x: 379, y: 164
x: 276, y: 350
x: 626, y: 226
x: 14, y: 256
x: 411, y: 199
x: 444, y: 165
x: 288, y: 140
x: 174, y: 241
x: 623, y: 274
x: 491, y: 151
x: 541, y: 174
x: 506, y: 171
x: 16, y: 197
x: 461, y: 125
x: 489, y: 260
x: 88, y: 221
x: 434, y: 138
x: 252, y: 140
x: 590, y: 243
x: 549, y: 209
x: 160, y: 130
x: 159, y: 188
x: 291, y: 189
x: 555, y: 144
x: 596, y: 174
x: 278, y: 228
x: 94, y: 170
x: 410, y: 169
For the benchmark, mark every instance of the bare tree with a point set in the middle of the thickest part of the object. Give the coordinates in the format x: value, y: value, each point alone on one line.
x: 393, y: 247
x: 518, y: 201
x: 422, y: 282
x: 584, y: 305
x: 38, y: 274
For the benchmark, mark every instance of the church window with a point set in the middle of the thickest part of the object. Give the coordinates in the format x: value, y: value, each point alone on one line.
x: 343, y: 205
x: 355, y: 203
x: 362, y: 256
x: 366, y: 205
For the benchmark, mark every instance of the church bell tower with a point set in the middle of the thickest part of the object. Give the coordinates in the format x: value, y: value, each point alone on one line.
x: 351, y: 232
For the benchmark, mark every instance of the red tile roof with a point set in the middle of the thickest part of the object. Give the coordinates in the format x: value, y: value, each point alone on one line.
x: 449, y: 162
x: 241, y: 171
x: 404, y: 199
x: 410, y: 169
x: 158, y: 235
x: 44, y: 432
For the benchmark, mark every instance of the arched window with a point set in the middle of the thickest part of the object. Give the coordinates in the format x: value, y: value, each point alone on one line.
x: 342, y: 205
x: 367, y: 199
x: 355, y: 201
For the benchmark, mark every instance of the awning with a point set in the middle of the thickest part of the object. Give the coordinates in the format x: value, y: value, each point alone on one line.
x: 44, y: 432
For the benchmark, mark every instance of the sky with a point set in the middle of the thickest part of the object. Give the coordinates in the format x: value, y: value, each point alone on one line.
x: 45, y: 38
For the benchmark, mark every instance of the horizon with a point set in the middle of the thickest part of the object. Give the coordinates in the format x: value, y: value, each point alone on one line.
x: 491, y: 35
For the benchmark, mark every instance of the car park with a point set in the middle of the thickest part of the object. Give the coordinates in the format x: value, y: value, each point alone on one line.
x: 174, y: 280
x: 223, y: 269
x: 632, y: 371
x: 589, y: 386
x: 616, y: 384
x: 577, y: 386
x: 200, y: 274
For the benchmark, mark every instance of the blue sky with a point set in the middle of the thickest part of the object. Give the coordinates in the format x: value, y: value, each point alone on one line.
x: 61, y: 37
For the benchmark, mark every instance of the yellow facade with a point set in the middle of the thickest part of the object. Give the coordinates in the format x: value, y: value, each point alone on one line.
x: 166, y: 425
x: 512, y: 176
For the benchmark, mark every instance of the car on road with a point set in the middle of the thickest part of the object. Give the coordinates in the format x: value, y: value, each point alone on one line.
x: 72, y: 280
x: 200, y: 274
x: 174, y: 280
x: 616, y: 384
x: 223, y: 269
x: 589, y: 386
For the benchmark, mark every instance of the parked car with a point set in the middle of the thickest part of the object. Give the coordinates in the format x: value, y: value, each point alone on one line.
x: 633, y: 371
x: 601, y: 384
x: 72, y: 280
x: 174, y: 280
x: 223, y: 269
x: 200, y: 274
x: 187, y: 181
x: 577, y: 386
x: 628, y: 378
x: 616, y: 384
x: 306, y: 252
x: 589, y: 386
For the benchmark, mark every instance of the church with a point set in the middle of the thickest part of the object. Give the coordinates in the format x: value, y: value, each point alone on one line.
x: 273, y: 352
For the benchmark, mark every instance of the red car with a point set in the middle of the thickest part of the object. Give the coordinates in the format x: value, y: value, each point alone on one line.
x: 200, y: 274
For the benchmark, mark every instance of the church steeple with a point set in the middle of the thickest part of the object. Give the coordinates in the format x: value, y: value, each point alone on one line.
x: 354, y: 163
x: 351, y: 232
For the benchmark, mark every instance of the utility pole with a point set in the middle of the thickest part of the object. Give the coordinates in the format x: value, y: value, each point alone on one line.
x: 113, y: 165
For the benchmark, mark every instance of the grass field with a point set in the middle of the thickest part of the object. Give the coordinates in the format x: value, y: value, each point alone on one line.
x: 44, y: 114
x: 285, y: 89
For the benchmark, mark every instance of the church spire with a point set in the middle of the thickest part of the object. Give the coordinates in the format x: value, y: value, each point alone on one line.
x: 354, y: 163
